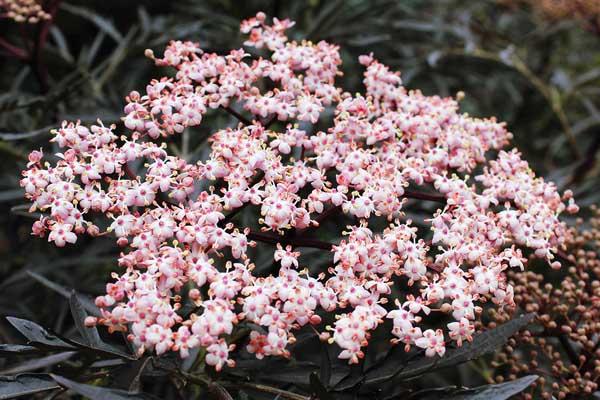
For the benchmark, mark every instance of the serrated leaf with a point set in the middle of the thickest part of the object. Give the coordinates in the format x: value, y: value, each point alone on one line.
x: 325, y: 369
x: 105, y: 349
x: 500, y: 391
x: 25, y: 384
x: 17, y: 349
x: 396, y: 356
x: 136, y: 383
x: 89, y: 334
x: 109, y: 350
x: 128, y: 375
x: 318, y: 389
x: 188, y: 362
x: 37, y: 335
x: 99, y: 392
x: 483, y: 343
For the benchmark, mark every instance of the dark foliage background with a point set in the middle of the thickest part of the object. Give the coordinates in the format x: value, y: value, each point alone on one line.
x: 539, y: 76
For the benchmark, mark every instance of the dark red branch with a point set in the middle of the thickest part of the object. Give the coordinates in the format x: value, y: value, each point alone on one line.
x: 14, y: 51
x: 424, y: 196
x: 293, y: 241
x: 328, y: 213
x: 320, y: 218
x: 37, y: 62
x: 236, y: 114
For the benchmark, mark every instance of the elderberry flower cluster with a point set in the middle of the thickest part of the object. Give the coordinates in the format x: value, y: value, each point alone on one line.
x: 182, y: 242
x: 29, y: 11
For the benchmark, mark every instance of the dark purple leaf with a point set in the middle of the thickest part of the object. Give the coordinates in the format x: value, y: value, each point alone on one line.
x: 99, y: 392
x: 25, y: 384
x: 483, y: 343
x: 37, y: 363
x: 17, y: 349
x: 501, y: 391
x: 38, y: 335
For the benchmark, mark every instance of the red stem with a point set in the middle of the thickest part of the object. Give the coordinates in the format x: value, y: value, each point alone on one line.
x: 294, y: 241
x: 13, y: 50
x: 236, y: 114
x: 424, y: 196
x: 37, y: 62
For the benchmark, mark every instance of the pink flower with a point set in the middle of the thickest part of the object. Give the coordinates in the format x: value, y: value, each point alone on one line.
x: 286, y: 257
x: 217, y: 355
x: 433, y: 342
x: 61, y: 234
x: 461, y: 330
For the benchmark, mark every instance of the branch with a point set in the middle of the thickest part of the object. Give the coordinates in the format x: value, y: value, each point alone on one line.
x: 424, y: 196
x: 327, y: 213
x: 294, y: 241
x: 13, y: 50
x: 37, y: 63
x: 236, y: 114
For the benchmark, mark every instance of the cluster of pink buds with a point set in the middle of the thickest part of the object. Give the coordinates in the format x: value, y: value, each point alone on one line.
x: 29, y: 11
x: 178, y: 221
